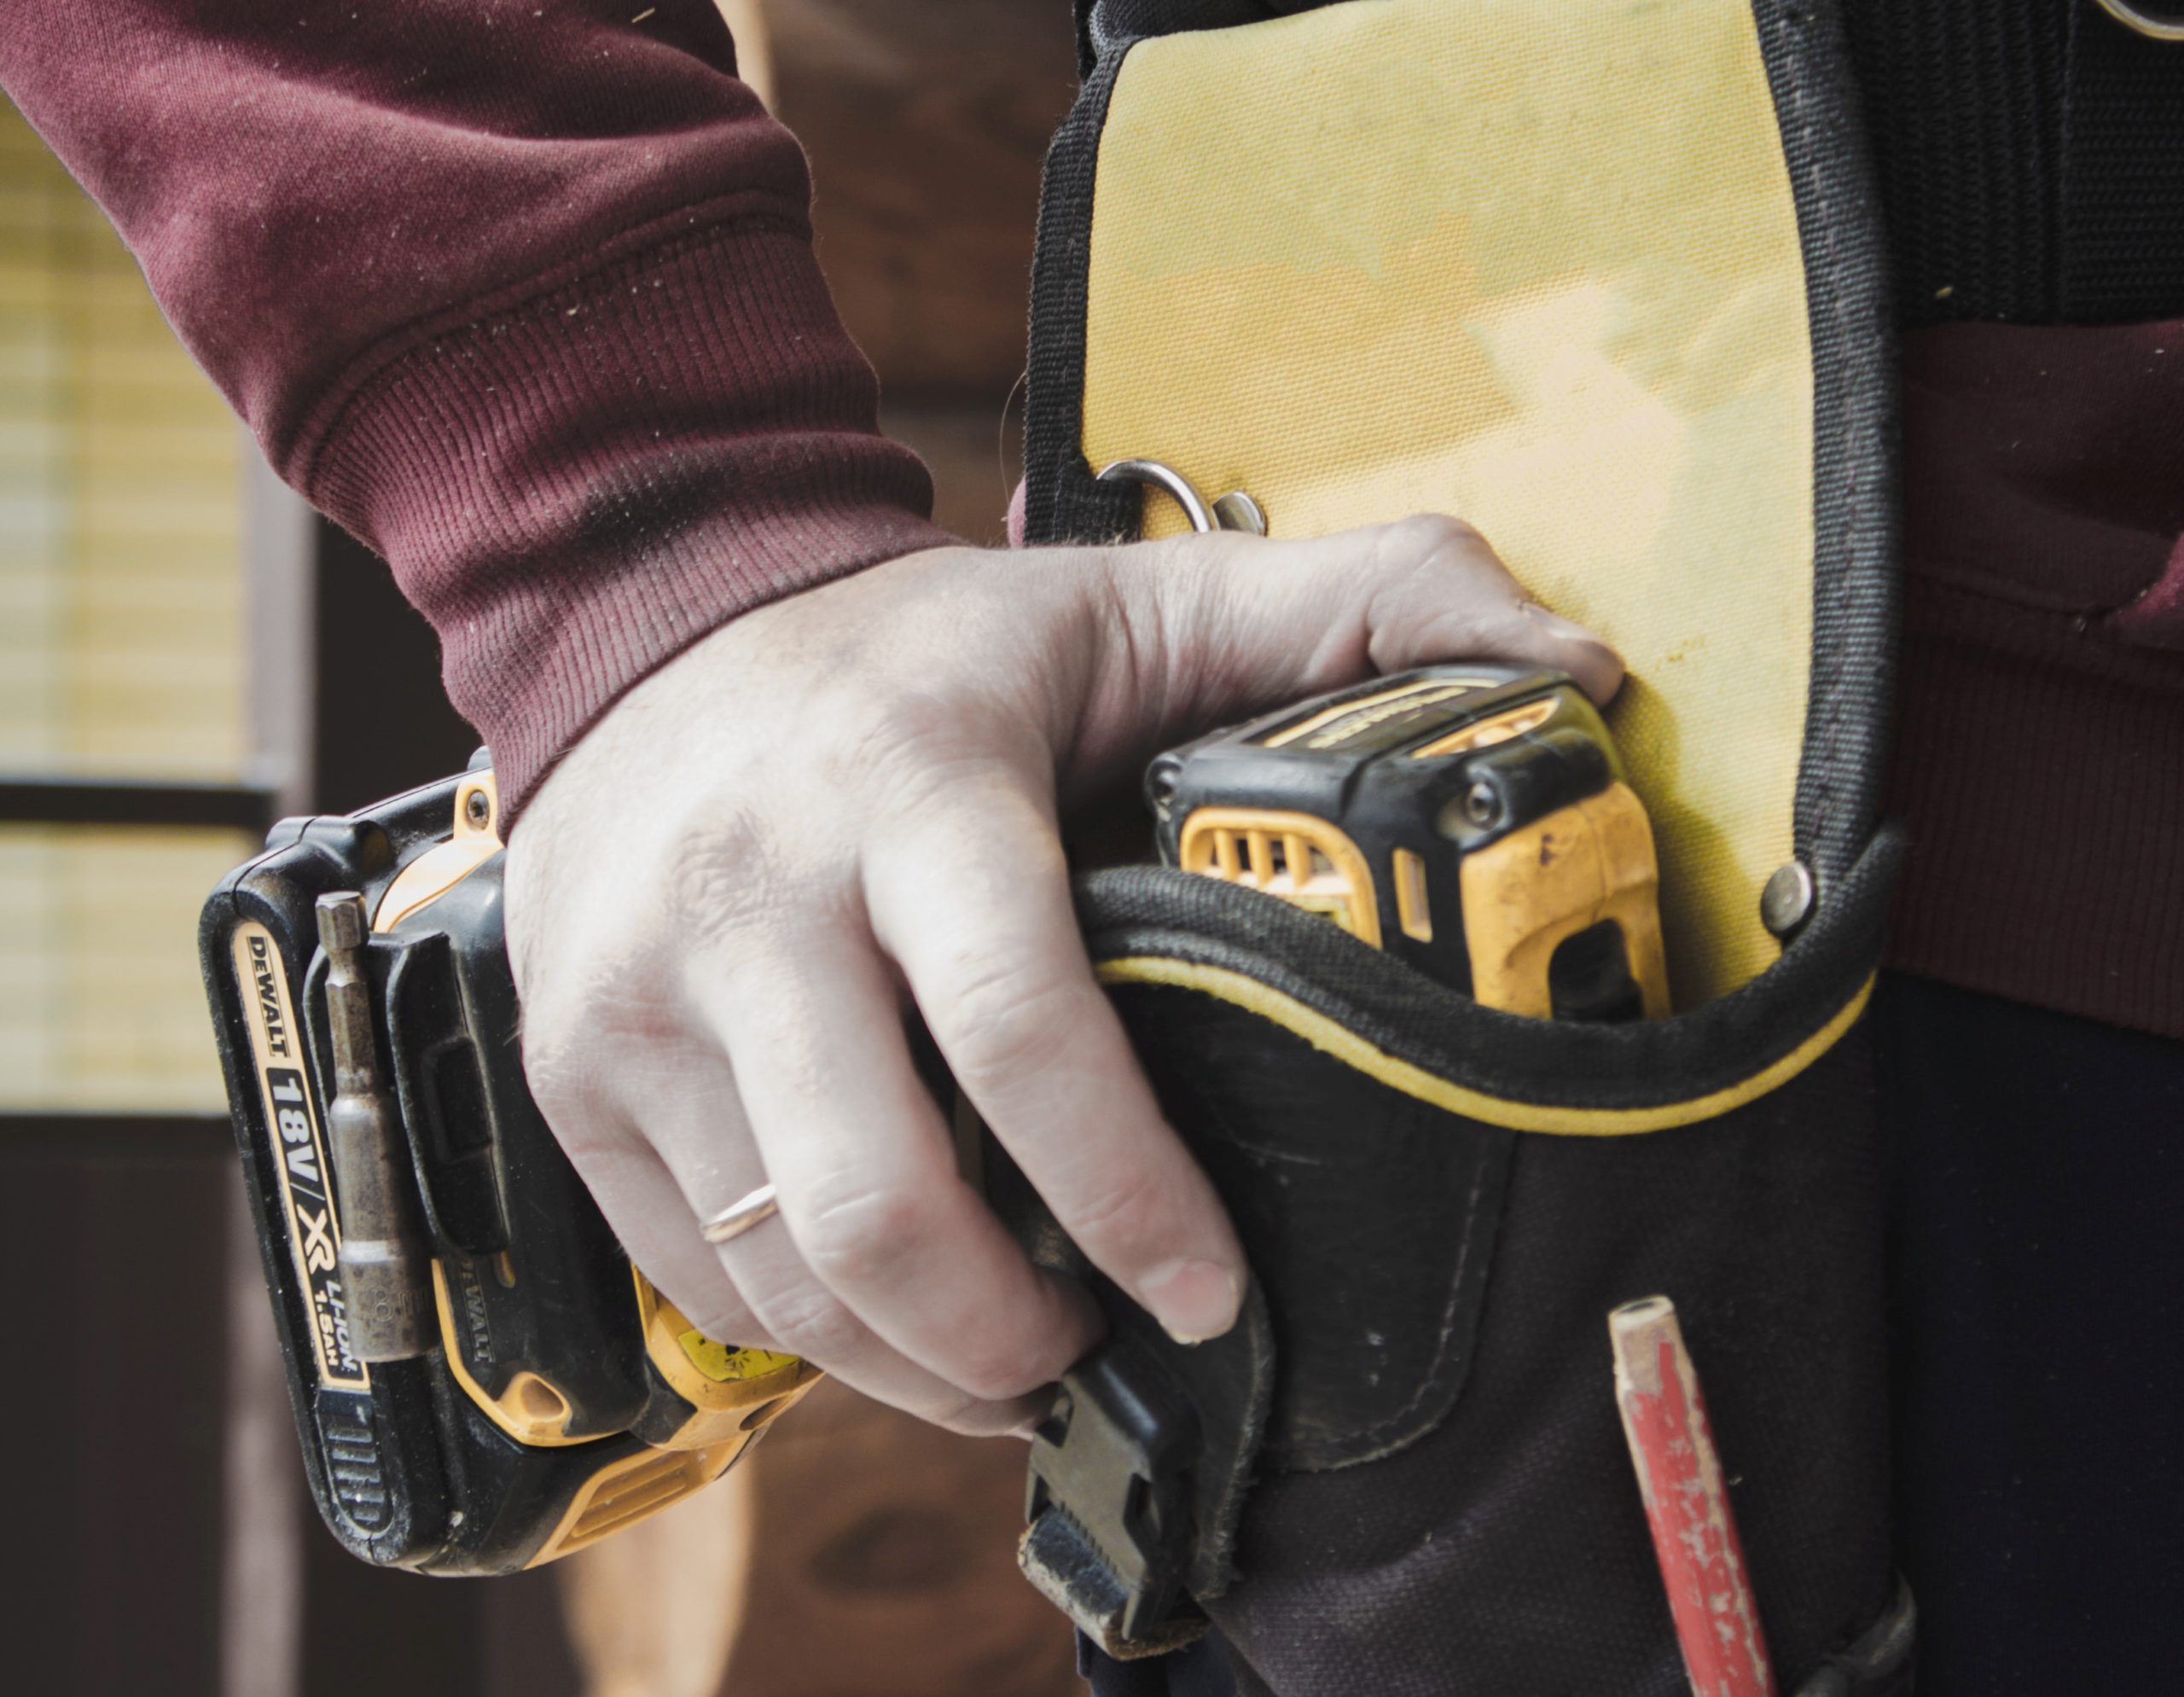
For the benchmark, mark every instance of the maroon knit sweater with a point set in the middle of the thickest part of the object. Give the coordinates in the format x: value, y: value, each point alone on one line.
x: 2039, y: 756
x: 522, y: 292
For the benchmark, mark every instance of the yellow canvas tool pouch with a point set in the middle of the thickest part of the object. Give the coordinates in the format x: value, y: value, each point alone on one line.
x: 1604, y: 280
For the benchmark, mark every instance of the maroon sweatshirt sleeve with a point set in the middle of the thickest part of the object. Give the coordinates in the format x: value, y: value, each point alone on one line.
x: 521, y: 292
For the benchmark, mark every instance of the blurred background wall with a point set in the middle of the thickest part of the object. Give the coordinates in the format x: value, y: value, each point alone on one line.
x: 187, y: 653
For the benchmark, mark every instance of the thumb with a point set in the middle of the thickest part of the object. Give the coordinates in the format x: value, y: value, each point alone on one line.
x: 1219, y: 625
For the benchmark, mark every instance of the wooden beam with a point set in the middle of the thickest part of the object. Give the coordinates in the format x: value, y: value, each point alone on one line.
x: 926, y: 125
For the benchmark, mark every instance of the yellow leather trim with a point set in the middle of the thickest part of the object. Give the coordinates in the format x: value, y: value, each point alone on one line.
x: 1536, y: 264
x: 1334, y: 1038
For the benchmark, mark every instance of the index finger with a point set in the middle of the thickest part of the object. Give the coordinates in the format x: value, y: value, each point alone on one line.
x: 998, y: 968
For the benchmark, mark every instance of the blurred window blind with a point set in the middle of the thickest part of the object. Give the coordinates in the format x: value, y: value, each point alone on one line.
x: 122, y: 654
x: 121, y: 625
x: 100, y: 1008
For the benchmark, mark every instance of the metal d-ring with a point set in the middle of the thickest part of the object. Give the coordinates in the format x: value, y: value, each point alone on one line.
x: 2159, y: 29
x: 1234, y: 511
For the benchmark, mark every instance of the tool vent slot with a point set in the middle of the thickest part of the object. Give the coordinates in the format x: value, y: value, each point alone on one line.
x: 1304, y: 860
x: 627, y: 1492
x: 353, y: 1470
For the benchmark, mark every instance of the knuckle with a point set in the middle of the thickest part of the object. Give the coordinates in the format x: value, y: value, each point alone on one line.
x: 1439, y: 536
x: 1149, y: 598
x: 723, y: 875
x: 865, y: 1237
x: 993, y: 1376
x: 1126, y: 1206
x: 1135, y: 599
x: 591, y: 1135
x: 897, y: 778
x: 912, y: 775
x: 604, y: 1020
x: 971, y: 1417
x: 1442, y: 588
x: 809, y: 1321
x: 1434, y: 555
x: 908, y: 755
x: 572, y: 1094
x: 1017, y: 1343
x: 1008, y: 1022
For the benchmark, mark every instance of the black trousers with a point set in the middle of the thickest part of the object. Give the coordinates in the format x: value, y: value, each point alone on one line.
x: 2036, y: 1330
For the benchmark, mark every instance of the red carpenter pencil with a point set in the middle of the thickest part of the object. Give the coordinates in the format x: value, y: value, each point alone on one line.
x: 1687, y: 1504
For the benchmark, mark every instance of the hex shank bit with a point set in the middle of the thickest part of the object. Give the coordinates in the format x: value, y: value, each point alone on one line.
x: 385, y: 1261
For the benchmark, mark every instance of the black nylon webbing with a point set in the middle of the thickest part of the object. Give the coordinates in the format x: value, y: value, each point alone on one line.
x: 1964, y: 102
x: 2123, y: 177
x: 2029, y: 158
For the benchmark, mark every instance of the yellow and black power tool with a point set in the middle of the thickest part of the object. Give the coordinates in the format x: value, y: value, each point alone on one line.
x: 1472, y: 820
x: 482, y: 1380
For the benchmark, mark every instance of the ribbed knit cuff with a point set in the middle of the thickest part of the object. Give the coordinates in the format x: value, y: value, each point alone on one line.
x: 2040, y: 765
x: 575, y: 487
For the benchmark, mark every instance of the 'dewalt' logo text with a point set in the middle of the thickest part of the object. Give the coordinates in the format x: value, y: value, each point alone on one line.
x: 314, y: 1225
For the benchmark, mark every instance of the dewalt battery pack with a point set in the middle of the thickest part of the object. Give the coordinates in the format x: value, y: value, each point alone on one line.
x: 553, y: 1397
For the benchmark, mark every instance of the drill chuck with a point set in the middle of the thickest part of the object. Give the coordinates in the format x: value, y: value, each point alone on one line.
x: 384, y: 1260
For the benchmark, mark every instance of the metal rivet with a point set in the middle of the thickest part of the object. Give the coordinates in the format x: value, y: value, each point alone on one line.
x: 1237, y: 511
x: 1481, y: 806
x: 1786, y: 902
x: 478, y: 809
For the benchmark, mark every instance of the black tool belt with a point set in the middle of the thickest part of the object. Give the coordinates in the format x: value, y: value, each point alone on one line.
x: 1611, y: 287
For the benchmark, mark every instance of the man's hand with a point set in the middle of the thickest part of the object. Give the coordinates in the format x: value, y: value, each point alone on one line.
x: 721, y: 903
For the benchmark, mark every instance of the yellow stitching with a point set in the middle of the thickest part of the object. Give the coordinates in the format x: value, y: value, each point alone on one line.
x: 1334, y: 1038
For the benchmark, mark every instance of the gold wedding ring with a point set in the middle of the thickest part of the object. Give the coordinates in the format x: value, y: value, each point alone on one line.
x: 733, y: 1220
